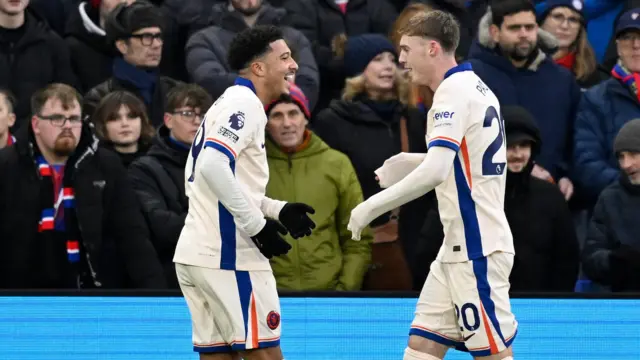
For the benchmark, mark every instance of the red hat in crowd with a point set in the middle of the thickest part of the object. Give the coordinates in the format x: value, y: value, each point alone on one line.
x: 298, y: 98
x: 95, y: 3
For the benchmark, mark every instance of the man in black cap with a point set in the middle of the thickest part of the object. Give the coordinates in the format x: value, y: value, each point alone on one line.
x: 547, y: 255
x: 137, y: 32
x: 611, y: 254
x: 604, y: 109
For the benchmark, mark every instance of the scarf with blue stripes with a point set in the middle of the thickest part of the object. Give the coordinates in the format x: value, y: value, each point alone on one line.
x: 58, y: 209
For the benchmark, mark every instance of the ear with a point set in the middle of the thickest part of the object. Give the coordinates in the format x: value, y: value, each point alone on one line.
x: 494, y: 32
x: 432, y: 48
x: 258, y: 68
x: 168, y: 120
x: 121, y: 45
x: 12, y: 119
x: 34, y: 124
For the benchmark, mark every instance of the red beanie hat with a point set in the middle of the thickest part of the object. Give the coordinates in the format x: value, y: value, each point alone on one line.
x: 298, y: 97
x: 95, y: 3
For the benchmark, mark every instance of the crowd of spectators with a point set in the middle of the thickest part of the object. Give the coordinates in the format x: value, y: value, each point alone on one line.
x: 100, y: 101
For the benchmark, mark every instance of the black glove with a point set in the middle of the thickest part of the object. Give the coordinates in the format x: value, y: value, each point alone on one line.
x: 294, y: 217
x: 269, y: 240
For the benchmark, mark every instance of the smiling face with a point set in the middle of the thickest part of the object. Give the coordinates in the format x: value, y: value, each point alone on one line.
x: 518, y: 155
x: 415, y: 60
x: 380, y: 73
x: 279, y: 69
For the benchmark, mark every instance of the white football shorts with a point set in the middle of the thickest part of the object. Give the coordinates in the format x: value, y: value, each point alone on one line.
x: 466, y: 305
x: 230, y: 310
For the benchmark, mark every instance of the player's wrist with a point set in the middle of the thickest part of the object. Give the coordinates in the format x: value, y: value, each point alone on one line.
x: 254, y: 228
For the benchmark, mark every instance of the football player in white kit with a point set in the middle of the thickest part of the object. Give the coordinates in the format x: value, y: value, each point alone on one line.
x: 464, y: 303
x: 232, y: 230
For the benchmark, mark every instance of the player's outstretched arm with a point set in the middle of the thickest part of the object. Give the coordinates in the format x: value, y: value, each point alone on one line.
x: 430, y: 173
x: 397, y: 167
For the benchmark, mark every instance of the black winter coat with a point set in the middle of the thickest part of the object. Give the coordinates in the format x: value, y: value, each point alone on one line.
x: 158, y: 179
x: 38, y: 58
x: 321, y: 20
x: 111, y: 224
x: 369, y: 138
x: 547, y: 254
x: 611, y: 253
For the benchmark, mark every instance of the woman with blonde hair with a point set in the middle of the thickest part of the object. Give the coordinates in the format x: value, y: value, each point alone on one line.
x: 565, y: 20
x: 122, y: 125
x: 370, y: 123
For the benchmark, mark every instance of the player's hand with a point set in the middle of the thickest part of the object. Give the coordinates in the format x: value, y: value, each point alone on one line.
x: 359, y: 220
x: 269, y: 240
x: 294, y: 217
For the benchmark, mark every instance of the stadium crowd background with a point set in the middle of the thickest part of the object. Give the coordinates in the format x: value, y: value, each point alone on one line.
x: 566, y: 73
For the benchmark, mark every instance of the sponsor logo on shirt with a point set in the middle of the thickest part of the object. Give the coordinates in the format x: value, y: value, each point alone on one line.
x: 228, y: 134
x: 443, y: 118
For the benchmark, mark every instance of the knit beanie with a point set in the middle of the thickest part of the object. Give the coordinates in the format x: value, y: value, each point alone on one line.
x: 125, y: 19
x: 298, y: 97
x: 360, y: 50
x: 628, y: 138
x: 543, y: 9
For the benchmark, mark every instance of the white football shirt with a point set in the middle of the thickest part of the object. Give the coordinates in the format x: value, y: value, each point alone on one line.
x: 211, y: 237
x: 465, y: 117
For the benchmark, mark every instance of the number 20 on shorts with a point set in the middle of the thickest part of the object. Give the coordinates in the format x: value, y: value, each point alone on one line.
x: 467, y: 311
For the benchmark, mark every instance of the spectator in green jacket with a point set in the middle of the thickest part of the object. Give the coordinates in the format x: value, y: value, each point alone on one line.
x: 302, y: 168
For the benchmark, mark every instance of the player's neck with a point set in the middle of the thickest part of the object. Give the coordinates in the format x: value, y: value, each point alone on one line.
x: 447, y: 64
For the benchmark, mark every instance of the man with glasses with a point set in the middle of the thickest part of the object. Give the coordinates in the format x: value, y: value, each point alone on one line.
x: 158, y: 176
x: 136, y: 30
x: 68, y: 217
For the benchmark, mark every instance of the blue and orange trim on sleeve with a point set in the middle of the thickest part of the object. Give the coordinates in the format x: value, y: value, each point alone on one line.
x: 222, y: 147
x: 445, y: 141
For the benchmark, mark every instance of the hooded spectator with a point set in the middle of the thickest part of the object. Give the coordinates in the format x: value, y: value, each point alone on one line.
x: 303, y: 168
x: 565, y: 19
x: 122, y: 125
x: 137, y: 30
x: 547, y: 255
x: 374, y: 110
x: 510, y: 58
x: 611, y: 255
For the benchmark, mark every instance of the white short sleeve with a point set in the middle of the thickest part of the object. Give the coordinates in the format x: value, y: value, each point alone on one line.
x: 449, y: 116
x: 229, y: 130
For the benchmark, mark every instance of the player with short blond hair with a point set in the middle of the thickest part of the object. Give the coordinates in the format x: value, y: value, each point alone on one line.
x: 464, y: 303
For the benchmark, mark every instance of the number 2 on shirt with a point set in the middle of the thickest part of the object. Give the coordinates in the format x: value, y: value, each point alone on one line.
x: 489, y: 168
x: 196, y: 147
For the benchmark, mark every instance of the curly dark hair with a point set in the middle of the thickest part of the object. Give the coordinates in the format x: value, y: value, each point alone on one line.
x: 251, y: 44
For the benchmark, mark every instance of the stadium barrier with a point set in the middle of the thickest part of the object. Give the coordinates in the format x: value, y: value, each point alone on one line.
x: 155, y: 325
